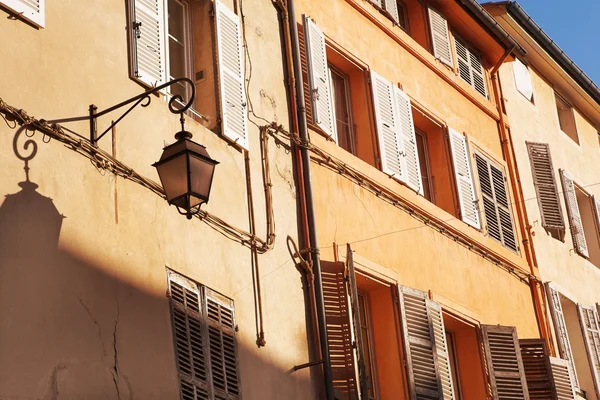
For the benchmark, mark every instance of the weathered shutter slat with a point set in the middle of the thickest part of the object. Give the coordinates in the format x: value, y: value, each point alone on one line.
x: 390, y: 142
x: 306, y: 84
x: 523, y: 79
x: 538, y: 370
x: 503, y: 357
x: 339, y: 337
x: 575, y: 221
x: 560, y: 328
x: 562, y: 375
x: 464, y: 179
x: 441, y: 346
x: 503, y: 207
x: 31, y: 10
x: 318, y: 73
x: 412, y: 168
x: 596, y: 202
x: 440, y: 37
x: 149, y: 49
x: 391, y: 6
x: 545, y: 185
x: 590, y: 329
x: 231, y: 76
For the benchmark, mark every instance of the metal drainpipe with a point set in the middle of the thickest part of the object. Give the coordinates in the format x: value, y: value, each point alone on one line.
x: 310, y: 207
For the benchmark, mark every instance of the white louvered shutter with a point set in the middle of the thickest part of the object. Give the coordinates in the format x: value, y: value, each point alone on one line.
x: 504, y: 362
x: 440, y: 37
x: 560, y: 328
x: 391, y: 6
x: 318, y: 76
x: 410, y: 161
x: 31, y: 10
x: 231, y: 76
x: 596, y: 202
x: 469, y: 210
x: 149, y: 49
x: 425, y: 347
x: 470, y: 68
x: 523, y: 79
x: 390, y: 142
x: 376, y: 2
x: 575, y: 221
x: 590, y: 329
x: 562, y: 376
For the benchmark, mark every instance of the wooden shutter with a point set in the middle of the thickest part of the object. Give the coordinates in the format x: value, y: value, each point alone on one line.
x: 234, y: 125
x: 440, y: 37
x: 546, y: 188
x: 538, y: 370
x: 222, y: 345
x: 588, y: 318
x: 560, y: 329
x: 148, y: 35
x: 410, y: 159
x: 31, y: 10
x: 425, y: 347
x: 339, y: 329
x: 469, y: 210
x: 523, y: 79
x: 562, y: 375
x: 505, y: 366
x: 376, y: 2
x: 596, y: 202
x: 189, y: 335
x: 390, y: 142
x: 496, y: 208
x: 470, y: 67
x: 391, y: 6
x: 318, y: 73
x: 305, y: 80
x: 575, y: 222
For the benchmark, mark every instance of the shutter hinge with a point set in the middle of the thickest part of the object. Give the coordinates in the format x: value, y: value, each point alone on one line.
x: 136, y: 29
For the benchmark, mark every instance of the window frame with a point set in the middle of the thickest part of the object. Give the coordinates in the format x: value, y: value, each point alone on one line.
x: 426, y: 166
x: 188, y: 45
x: 529, y: 70
x: 348, y: 105
x: 370, y: 341
x: 571, y: 110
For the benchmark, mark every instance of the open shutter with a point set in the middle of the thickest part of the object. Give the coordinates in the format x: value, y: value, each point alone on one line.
x: 469, y: 210
x: 596, y: 202
x: 318, y: 74
x: 505, y: 366
x: 562, y: 375
x: 148, y: 33
x: 391, y: 6
x: 440, y: 37
x: 411, y: 166
x: 425, y: 346
x: 222, y: 345
x: 376, y: 2
x: 390, y: 142
x: 575, y: 221
x: 31, y: 10
x: 546, y: 188
x: 234, y: 125
x: 560, y: 329
x: 339, y: 329
x: 189, y: 336
x: 588, y: 318
x: 538, y: 371
x: 523, y: 79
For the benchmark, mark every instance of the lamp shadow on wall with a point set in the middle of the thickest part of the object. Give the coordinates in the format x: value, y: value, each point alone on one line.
x: 72, y: 328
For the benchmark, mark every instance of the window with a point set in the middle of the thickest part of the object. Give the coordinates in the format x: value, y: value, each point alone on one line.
x: 453, y: 357
x: 426, y: 177
x: 470, y: 67
x: 402, y: 15
x: 30, y: 10
x: 395, y: 10
x: 161, y: 36
x: 566, y: 117
x: 523, y: 79
x: 366, y: 332
x: 204, y: 337
x: 342, y: 109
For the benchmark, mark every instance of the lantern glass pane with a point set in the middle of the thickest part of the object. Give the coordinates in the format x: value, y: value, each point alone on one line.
x: 173, y: 175
x: 200, y: 176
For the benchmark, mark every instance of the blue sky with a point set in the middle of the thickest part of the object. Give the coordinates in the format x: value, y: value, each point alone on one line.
x: 574, y: 26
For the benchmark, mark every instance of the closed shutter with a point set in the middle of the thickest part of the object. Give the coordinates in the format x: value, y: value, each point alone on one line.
x: 545, y: 185
x: 470, y: 68
x: 148, y: 34
x: 575, y: 221
x: 339, y: 329
x: 391, y: 6
x: 425, y: 348
x: 560, y: 329
x: 440, y: 37
x: 523, y: 79
x: 588, y: 318
x: 411, y: 166
x: 318, y: 74
x: 496, y: 208
x: 390, y: 144
x: 469, y: 210
x: 562, y: 375
x: 538, y: 371
x: 596, y: 202
x: 505, y: 366
x: 31, y: 10
x: 231, y: 76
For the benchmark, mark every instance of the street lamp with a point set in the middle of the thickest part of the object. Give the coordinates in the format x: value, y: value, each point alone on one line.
x: 185, y: 168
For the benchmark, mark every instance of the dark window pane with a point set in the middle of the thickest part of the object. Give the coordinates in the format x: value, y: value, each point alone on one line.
x: 342, y: 107
x: 176, y: 21
x: 424, y: 163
